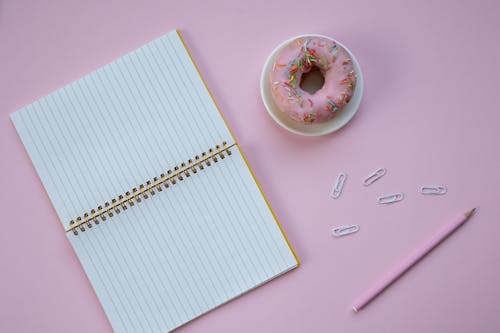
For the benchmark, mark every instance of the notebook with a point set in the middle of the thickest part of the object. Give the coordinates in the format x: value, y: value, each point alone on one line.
x: 152, y: 189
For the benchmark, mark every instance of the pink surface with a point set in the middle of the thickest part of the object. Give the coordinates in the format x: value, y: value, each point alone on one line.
x: 429, y: 115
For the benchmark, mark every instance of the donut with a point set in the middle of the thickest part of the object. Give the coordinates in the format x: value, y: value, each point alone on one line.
x: 304, y: 55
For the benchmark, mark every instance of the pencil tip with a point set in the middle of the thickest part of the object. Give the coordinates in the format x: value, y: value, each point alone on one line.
x: 470, y: 212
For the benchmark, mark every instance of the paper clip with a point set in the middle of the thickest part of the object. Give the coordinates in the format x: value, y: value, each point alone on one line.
x: 344, y: 230
x: 339, y: 185
x: 390, y: 198
x: 376, y: 175
x: 433, y: 190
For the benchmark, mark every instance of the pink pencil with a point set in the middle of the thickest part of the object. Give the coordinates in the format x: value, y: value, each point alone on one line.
x: 411, y: 260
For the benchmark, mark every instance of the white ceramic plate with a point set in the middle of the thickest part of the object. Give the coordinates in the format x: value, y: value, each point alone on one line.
x: 309, y: 129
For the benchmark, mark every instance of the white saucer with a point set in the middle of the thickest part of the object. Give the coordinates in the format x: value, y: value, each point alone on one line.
x: 310, y: 129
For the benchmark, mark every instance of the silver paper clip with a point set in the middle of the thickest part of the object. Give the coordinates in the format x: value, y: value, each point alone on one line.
x: 373, y: 177
x: 433, y: 190
x: 390, y: 198
x: 339, y: 185
x: 345, y: 230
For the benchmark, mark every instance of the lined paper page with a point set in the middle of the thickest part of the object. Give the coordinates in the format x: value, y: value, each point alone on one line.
x: 189, y: 248
x: 125, y: 113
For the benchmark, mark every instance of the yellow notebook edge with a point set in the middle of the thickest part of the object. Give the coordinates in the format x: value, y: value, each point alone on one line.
x: 241, y: 152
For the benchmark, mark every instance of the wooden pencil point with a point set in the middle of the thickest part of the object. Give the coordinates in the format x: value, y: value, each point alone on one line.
x: 470, y: 212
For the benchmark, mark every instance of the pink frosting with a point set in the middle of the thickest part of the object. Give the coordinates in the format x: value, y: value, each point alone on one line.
x: 299, y: 57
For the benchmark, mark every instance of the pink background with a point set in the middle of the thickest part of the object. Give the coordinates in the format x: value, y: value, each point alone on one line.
x: 429, y: 115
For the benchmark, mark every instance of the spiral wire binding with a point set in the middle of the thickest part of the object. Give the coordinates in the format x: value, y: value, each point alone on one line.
x: 149, y: 188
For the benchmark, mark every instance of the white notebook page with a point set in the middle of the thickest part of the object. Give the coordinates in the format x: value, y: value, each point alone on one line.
x: 183, y: 251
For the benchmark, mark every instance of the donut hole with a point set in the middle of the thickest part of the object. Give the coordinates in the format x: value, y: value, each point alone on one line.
x: 312, y: 81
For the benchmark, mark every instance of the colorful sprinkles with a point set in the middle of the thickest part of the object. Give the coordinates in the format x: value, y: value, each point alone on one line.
x: 313, y: 53
x: 331, y: 106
